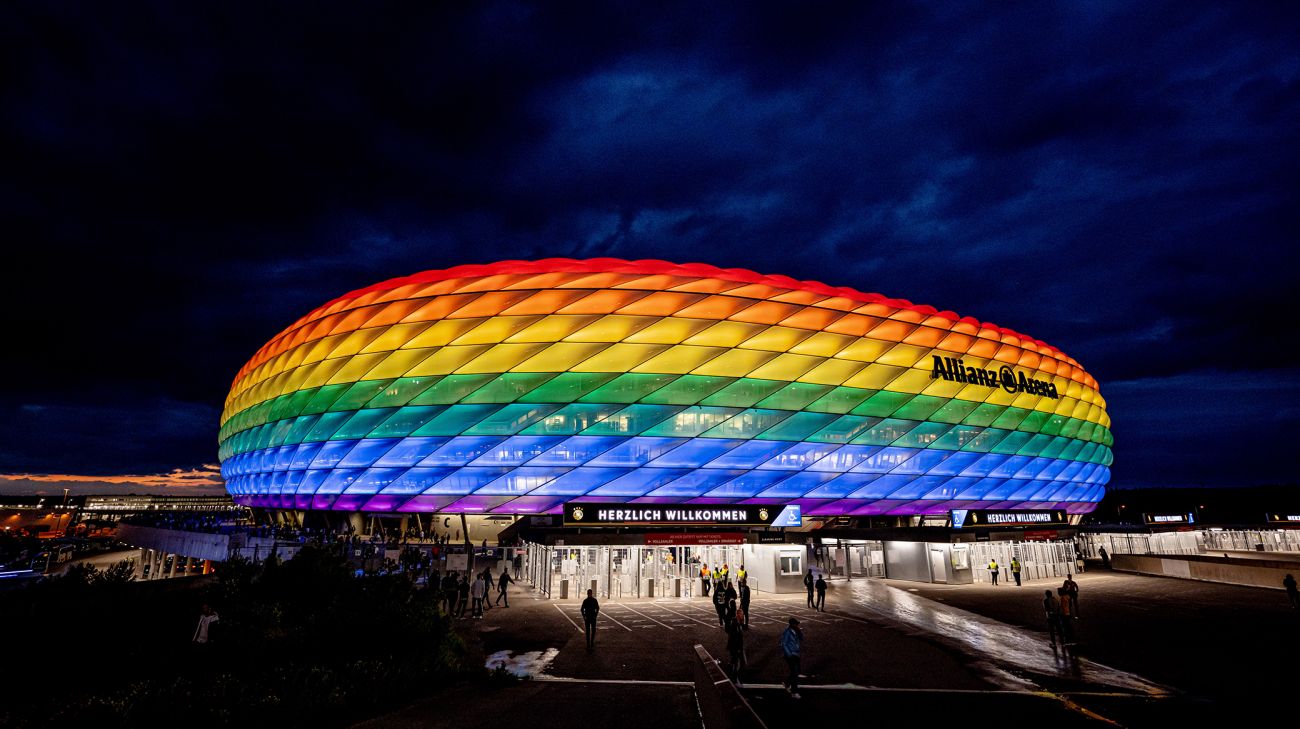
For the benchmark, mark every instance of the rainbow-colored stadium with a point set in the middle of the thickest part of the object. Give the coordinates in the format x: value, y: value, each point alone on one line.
x: 517, y: 386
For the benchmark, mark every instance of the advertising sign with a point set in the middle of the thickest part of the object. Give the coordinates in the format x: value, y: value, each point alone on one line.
x: 1284, y: 517
x: 686, y: 540
x: 966, y: 518
x: 590, y: 513
x: 1168, y: 519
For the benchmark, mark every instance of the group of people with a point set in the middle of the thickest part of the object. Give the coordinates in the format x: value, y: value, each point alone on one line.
x: 995, y: 568
x: 1061, y: 610
x: 458, y: 592
x: 818, y: 584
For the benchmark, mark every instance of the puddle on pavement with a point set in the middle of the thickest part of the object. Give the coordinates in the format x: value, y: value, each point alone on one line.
x: 525, y: 665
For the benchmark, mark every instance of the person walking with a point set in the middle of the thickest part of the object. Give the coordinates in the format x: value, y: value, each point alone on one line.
x: 808, y: 582
x: 791, y: 647
x: 1015, y: 569
x: 462, y: 595
x: 704, y: 578
x: 1292, y: 594
x: 993, y: 571
x: 741, y: 574
x: 207, y: 616
x: 1073, y: 588
x: 1105, y: 558
x: 501, y: 587
x: 1066, y: 613
x: 1052, y: 611
x: 821, y: 593
x: 477, y: 593
x: 487, y: 586
x: 743, y: 592
x: 736, y: 648
x: 720, y: 605
x: 590, y: 609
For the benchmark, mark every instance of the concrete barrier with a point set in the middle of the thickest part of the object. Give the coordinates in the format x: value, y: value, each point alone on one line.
x: 721, y: 704
x: 1207, y: 568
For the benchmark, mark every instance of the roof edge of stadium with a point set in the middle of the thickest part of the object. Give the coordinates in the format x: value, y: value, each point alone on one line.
x: 647, y: 266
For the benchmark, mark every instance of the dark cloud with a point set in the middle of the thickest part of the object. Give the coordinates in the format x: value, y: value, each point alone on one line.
x: 180, y: 182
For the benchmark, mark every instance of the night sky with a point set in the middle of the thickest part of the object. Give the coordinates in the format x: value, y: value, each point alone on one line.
x: 182, y: 181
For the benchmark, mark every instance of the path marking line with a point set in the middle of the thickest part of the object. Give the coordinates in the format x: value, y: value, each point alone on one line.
x: 566, y: 617
x: 616, y: 620
x: 683, y: 615
x: 647, y: 617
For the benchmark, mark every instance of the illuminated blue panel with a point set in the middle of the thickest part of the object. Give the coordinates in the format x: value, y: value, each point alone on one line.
x: 339, y: 479
x: 955, y: 463
x: 373, y: 480
x: 466, y: 480
x: 639, y: 482
x: 522, y: 480
x: 417, y: 480
x: 882, y: 487
x: 460, y: 450
x: 749, y: 454
x: 517, y: 450
x: 636, y: 452
x: 1009, y: 467
x: 579, y: 481
x: 922, y: 462
x: 695, y: 453
x: 691, y: 422
x: 313, y: 480
x: 985, y: 465
x: 367, y: 451
x: 845, y: 458
x: 749, y: 484
x: 797, y: 485
x: 842, y: 486
x: 799, y: 456
x: 331, y: 453
x: 696, y: 483
x: 886, y: 460
x: 410, y: 451
x: 576, y: 451
x: 917, y: 487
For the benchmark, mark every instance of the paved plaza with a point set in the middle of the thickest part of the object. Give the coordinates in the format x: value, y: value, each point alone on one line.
x: 897, y: 649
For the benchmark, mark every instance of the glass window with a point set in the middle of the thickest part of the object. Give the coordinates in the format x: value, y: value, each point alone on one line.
x: 517, y: 450
x: 695, y: 453
x: 794, y: 396
x: 840, y: 400
x: 466, y: 480
x: 362, y: 423
x: 633, y: 419
x: 636, y: 451
x: 842, y: 485
x: 416, y: 480
x: 511, y: 419
x: 508, y: 387
x: 373, y: 480
x: 359, y: 394
x: 696, y: 483
x: 798, y: 426
x: 883, y: 404
x: 885, y: 432
x: 748, y: 484
x: 749, y: 454
x: 456, y: 419
x: 687, y: 390
x: 326, y: 425
x: 579, y: 481
x: 923, y: 435
x: 331, y: 453
x: 450, y: 389
x: 799, y: 456
x: 400, y: 391
x: 522, y: 480
x: 568, y: 386
x: 406, y: 421
x: 748, y: 424
x: 743, y: 393
x: 690, y: 422
x: 639, y: 482
x: 324, y: 397
x: 628, y: 388
x: 843, y: 429
x: 572, y: 418
x: 410, y: 451
x: 885, y: 460
x: 791, y: 563
x: 577, y: 450
x: 796, y: 486
x: 460, y: 450
x: 367, y: 452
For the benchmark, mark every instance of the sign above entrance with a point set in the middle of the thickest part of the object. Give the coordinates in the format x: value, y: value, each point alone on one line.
x: 589, y: 513
x: 689, y: 540
x: 1167, y: 519
x: 966, y: 518
x: 1284, y: 517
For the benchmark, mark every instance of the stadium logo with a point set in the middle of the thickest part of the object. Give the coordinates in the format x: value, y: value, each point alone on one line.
x: 955, y: 370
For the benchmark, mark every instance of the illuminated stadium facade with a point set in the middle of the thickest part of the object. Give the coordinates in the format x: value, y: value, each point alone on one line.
x: 520, y: 386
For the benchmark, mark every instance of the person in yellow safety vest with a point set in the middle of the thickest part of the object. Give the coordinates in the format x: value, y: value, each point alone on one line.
x: 717, y: 578
x: 704, y: 577
x: 725, y: 570
x: 1015, y: 569
x: 740, y: 574
x: 993, y: 571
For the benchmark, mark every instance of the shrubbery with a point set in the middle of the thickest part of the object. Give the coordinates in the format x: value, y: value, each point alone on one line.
x: 303, y: 643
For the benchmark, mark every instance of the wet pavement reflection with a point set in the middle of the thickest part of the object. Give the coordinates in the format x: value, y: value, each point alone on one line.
x: 992, y: 642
